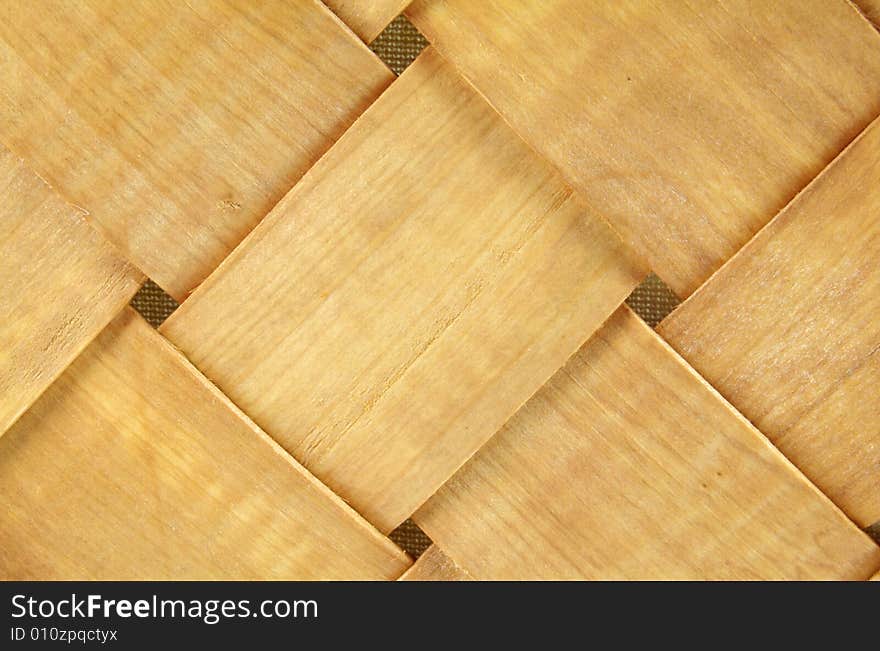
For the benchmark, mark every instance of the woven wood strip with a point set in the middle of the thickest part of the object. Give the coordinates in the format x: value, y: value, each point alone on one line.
x: 434, y: 565
x: 661, y: 479
x: 789, y: 332
x: 367, y: 19
x: 687, y: 125
x: 177, y: 125
x: 61, y: 283
x: 457, y: 291
x: 131, y: 466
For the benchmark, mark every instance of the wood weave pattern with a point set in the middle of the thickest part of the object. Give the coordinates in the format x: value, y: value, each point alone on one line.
x: 404, y: 297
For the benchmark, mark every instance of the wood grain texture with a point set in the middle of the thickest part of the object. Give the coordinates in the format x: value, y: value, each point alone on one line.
x: 178, y: 125
x: 60, y: 284
x: 789, y: 332
x: 367, y: 18
x: 132, y: 466
x: 407, y: 296
x: 434, y: 565
x: 687, y: 125
x: 628, y: 465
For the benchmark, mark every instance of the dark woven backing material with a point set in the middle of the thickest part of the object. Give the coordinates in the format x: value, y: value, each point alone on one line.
x: 399, y: 44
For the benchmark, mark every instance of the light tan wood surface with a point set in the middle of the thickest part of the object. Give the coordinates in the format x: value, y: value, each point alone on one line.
x: 434, y: 565
x: 628, y: 465
x: 60, y: 283
x: 178, y: 125
x: 789, y: 332
x: 367, y: 18
x: 407, y: 296
x: 687, y: 125
x: 132, y: 466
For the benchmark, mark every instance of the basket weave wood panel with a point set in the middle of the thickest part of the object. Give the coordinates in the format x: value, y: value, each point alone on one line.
x: 171, y: 484
x: 797, y: 359
x: 404, y: 297
x: 661, y: 456
x: 199, y: 115
x: 61, y: 284
x: 455, y: 305
x: 686, y: 161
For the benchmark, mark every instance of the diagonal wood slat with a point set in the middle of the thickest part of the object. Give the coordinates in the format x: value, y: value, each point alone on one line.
x: 367, y: 19
x: 132, y: 466
x: 380, y: 331
x: 687, y: 125
x: 61, y: 283
x: 177, y: 125
x: 788, y: 330
x: 434, y: 565
x: 661, y: 479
